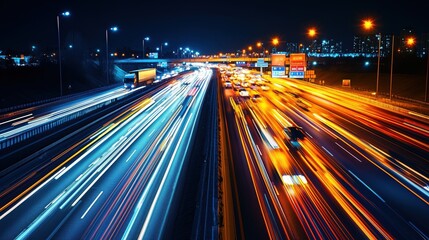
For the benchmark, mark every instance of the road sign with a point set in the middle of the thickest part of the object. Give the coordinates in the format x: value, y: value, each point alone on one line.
x: 298, y: 64
x: 263, y: 64
x: 296, y: 74
x: 277, y: 71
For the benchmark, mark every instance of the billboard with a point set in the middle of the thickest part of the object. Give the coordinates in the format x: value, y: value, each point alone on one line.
x: 298, y: 65
x: 278, y: 59
x: 346, y: 83
x: 153, y: 55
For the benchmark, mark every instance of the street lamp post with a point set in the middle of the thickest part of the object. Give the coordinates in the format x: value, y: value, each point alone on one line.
x: 166, y: 44
x: 114, y: 29
x: 427, y: 73
x: 368, y: 25
x: 260, y: 44
x: 275, y: 43
x: 59, y: 50
x: 147, y: 39
x: 378, y: 64
x: 391, y: 66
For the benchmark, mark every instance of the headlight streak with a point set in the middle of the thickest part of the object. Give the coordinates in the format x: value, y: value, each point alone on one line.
x: 251, y: 156
x: 114, y: 227
x: 62, y: 164
x: 394, y: 168
x: 381, y: 159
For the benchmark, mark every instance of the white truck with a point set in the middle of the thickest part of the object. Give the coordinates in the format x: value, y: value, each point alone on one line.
x: 140, y: 77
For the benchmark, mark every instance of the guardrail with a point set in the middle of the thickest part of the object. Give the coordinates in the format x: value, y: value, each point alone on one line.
x: 19, y: 137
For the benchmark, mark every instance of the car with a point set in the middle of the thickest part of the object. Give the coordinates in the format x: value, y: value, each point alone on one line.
x: 228, y: 84
x: 294, y: 134
x: 256, y: 97
x: 303, y: 104
x: 297, y: 179
x: 243, y: 92
x: 265, y: 87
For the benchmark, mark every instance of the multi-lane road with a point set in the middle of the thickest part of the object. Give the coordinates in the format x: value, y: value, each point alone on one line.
x: 116, y: 179
x: 153, y: 162
x: 361, y: 170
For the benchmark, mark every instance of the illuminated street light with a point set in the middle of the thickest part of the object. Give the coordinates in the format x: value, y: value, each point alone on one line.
x: 312, y: 32
x: 368, y: 24
x: 259, y: 45
x: 144, y: 39
x: 275, y: 42
x: 113, y: 29
x: 410, y: 41
x: 66, y: 14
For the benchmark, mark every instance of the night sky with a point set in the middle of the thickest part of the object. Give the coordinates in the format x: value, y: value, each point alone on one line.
x: 205, y: 26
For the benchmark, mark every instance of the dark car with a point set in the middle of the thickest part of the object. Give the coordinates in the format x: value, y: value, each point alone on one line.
x: 294, y: 133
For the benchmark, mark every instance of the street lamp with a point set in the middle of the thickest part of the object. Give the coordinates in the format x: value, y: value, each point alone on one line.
x: 427, y: 74
x: 113, y: 29
x: 165, y: 44
x: 66, y: 14
x: 260, y: 44
x: 410, y: 41
x: 312, y: 32
x: 275, y: 42
x: 368, y: 24
x: 147, y: 39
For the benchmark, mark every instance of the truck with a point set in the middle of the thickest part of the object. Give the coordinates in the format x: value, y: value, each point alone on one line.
x: 140, y: 77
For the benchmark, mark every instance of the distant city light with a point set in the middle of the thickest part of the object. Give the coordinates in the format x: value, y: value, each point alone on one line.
x: 114, y: 29
x: 98, y: 50
x: 366, y: 63
x: 70, y: 46
x: 314, y: 63
x: 67, y: 13
x: 157, y: 49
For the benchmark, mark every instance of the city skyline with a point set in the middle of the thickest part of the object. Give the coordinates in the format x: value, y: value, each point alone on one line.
x: 220, y: 27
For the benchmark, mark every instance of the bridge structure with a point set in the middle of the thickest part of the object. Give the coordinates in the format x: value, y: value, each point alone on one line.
x: 190, y: 60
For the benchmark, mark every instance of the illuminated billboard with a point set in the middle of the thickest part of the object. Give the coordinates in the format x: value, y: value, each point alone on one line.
x: 278, y: 59
x: 298, y: 65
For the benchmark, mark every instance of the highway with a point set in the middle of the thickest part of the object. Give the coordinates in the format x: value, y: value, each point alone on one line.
x: 361, y: 170
x: 112, y: 180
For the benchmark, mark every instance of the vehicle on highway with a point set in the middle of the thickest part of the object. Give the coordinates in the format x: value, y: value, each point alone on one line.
x: 243, y: 92
x: 256, y: 97
x: 304, y: 105
x: 265, y: 87
x: 236, y: 85
x: 297, y: 179
x: 294, y: 134
x: 139, y: 77
x: 228, y: 84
